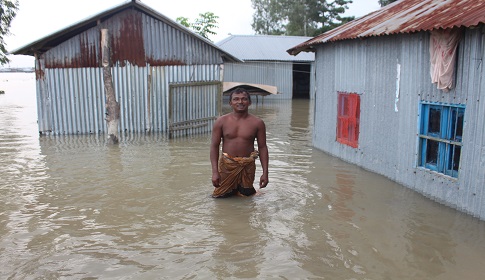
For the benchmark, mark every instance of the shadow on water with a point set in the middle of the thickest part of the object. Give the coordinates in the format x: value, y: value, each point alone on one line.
x: 75, y: 207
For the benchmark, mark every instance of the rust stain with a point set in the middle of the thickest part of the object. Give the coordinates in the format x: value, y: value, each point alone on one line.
x: 39, y: 74
x: 155, y: 62
x: 88, y: 56
x: 128, y: 46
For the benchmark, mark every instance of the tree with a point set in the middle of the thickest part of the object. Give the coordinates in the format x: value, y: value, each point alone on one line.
x: 204, y: 25
x: 303, y: 18
x: 8, y: 11
x: 268, y: 17
x: 385, y: 2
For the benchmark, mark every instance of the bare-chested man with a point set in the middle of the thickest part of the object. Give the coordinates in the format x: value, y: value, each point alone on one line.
x: 233, y: 173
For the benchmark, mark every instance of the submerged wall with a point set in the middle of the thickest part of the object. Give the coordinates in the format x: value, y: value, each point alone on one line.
x: 72, y: 101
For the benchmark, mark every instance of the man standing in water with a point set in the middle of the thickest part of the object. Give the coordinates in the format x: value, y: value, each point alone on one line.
x: 236, y: 170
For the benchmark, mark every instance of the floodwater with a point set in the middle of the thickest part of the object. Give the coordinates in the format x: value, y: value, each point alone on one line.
x: 73, y: 207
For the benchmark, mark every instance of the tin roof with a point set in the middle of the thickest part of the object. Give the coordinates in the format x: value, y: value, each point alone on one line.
x: 264, y: 47
x: 404, y: 16
x: 50, y: 41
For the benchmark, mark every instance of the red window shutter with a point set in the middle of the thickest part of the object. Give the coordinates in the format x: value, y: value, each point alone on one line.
x: 348, y: 119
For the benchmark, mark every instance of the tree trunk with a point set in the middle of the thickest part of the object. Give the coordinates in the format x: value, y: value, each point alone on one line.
x: 112, y: 106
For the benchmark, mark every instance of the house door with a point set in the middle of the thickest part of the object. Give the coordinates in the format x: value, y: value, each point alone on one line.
x: 193, y: 107
x: 301, y: 80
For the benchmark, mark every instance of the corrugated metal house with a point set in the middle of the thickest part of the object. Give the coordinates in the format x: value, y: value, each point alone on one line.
x: 267, y: 62
x: 166, y: 78
x: 377, y: 106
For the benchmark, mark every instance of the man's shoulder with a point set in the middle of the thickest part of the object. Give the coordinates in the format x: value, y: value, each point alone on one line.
x: 254, y: 117
x: 222, y: 117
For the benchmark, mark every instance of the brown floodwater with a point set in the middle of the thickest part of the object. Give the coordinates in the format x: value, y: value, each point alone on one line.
x: 74, y: 207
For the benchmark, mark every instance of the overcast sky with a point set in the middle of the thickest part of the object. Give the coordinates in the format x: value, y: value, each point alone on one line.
x: 38, y: 18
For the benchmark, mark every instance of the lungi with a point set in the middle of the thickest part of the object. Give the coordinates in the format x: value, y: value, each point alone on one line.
x: 237, y: 175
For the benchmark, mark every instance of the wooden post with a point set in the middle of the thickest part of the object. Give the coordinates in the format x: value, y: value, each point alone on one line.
x: 112, y: 106
x: 149, y: 93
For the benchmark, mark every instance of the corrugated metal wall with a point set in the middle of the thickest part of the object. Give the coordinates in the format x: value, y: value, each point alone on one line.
x: 72, y: 101
x: 388, y: 138
x: 275, y: 73
x: 135, y: 38
x: 166, y: 45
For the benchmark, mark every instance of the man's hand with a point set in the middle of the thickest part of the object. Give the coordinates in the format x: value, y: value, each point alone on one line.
x: 216, y: 180
x: 263, y: 181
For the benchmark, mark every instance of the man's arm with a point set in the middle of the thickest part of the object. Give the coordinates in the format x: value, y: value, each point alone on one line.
x: 214, y: 151
x: 263, y: 154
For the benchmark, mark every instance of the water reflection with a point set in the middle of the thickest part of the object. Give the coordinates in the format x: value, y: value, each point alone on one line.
x: 434, y: 250
x: 344, y: 193
x: 75, y: 207
x: 239, y: 248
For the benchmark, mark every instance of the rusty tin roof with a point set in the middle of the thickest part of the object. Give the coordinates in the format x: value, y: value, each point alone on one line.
x: 404, y: 16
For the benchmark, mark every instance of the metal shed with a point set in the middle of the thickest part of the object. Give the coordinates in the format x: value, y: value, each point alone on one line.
x: 267, y: 62
x: 166, y: 78
x: 376, y: 105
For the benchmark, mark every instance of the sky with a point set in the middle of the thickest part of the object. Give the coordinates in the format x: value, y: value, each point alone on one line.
x: 39, y: 18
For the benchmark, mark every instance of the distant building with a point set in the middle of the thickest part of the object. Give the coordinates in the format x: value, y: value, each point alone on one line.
x: 17, y: 70
x: 399, y: 93
x: 166, y: 78
x: 267, y: 62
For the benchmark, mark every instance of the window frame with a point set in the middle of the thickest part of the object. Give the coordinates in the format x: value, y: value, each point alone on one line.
x: 443, y: 140
x: 348, y: 118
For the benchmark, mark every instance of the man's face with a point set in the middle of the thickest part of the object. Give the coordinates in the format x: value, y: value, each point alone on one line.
x: 240, y: 102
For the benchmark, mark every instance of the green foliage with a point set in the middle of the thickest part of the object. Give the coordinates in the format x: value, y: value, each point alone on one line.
x: 385, y: 2
x: 298, y: 18
x: 184, y: 21
x: 204, y: 25
x: 8, y: 11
